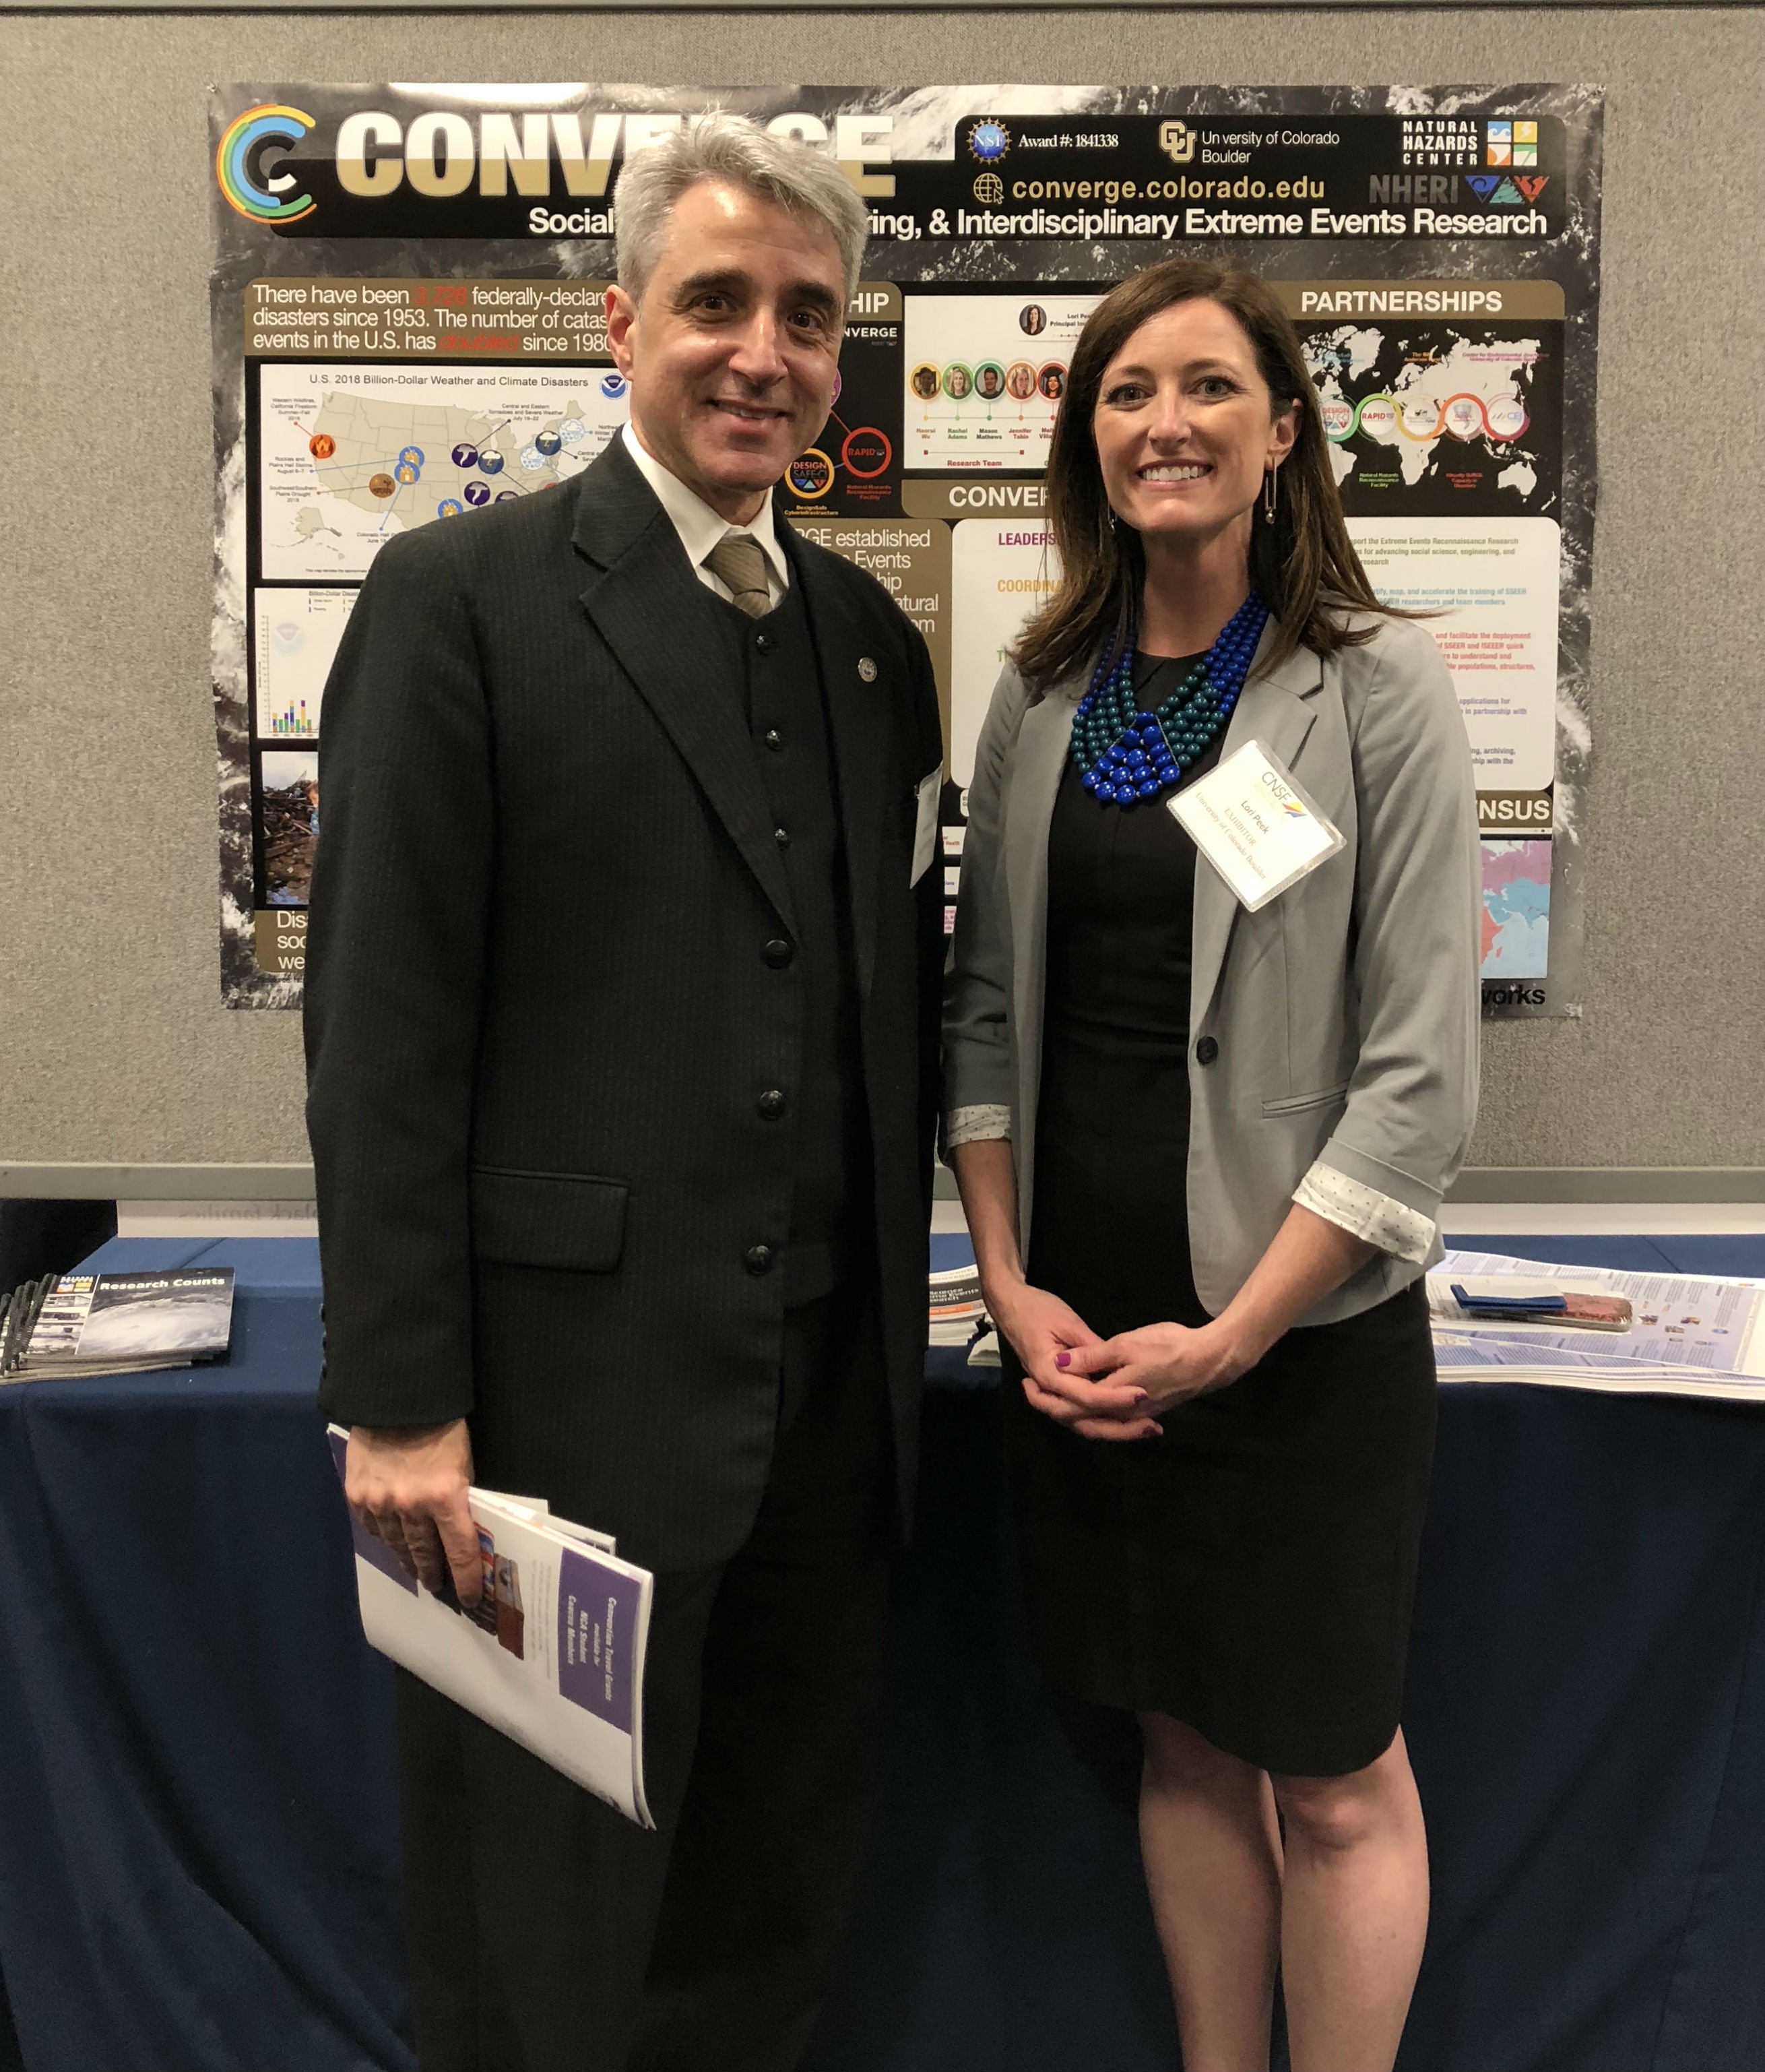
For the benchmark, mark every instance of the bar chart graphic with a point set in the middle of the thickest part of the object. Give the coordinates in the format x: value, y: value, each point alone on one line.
x: 295, y: 634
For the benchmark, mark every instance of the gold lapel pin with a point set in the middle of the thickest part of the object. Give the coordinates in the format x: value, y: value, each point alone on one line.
x: 866, y: 668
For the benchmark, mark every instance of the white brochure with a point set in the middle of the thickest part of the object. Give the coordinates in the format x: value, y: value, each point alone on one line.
x: 553, y: 1653
x: 1689, y: 1334
x: 1256, y: 825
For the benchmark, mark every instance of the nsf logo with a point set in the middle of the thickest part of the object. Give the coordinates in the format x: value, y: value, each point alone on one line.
x: 242, y: 164
x: 989, y: 141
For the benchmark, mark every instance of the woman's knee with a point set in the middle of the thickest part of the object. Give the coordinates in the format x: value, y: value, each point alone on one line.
x: 1333, y: 1814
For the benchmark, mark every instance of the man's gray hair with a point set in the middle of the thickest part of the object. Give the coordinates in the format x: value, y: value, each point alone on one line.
x: 719, y: 146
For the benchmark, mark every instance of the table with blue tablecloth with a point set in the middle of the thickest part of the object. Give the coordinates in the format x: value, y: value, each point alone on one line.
x: 198, y: 1825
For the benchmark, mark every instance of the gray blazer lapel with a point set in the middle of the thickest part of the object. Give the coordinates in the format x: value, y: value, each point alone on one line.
x: 1043, y: 741
x: 1276, y: 709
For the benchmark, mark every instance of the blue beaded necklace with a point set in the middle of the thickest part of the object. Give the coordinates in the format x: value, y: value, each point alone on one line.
x: 1126, y: 756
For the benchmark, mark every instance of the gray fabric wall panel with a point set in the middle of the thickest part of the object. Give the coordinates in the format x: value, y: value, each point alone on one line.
x: 116, y: 1047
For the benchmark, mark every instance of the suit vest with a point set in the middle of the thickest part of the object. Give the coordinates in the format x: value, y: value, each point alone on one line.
x: 771, y: 663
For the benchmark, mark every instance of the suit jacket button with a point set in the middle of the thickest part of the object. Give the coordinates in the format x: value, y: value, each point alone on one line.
x: 778, y: 953
x: 759, y: 1258
x: 772, y: 1104
x: 1206, y: 1051
x: 774, y: 740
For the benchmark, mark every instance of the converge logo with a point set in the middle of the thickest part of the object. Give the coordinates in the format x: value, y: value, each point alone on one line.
x: 241, y: 168
x: 440, y: 155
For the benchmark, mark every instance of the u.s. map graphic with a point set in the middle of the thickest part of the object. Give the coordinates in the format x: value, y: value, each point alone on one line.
x: 350, y: 457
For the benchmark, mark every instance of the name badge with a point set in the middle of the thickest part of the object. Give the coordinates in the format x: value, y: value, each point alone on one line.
x: 925, y: 828
x: 1255, y: 823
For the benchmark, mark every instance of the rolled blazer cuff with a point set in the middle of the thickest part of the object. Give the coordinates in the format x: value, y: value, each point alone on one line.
x: 1366, y: 1213
x: 987, y: 1121
x: 977, y: 1083
x: 1403, y: 1188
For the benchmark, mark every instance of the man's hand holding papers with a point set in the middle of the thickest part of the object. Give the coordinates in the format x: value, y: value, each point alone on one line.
x: 545, y: 1639
x: 408, y: 1487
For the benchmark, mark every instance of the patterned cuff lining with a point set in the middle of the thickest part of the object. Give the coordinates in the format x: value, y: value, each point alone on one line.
x: 1352, y: 1206
x: 974, y: 1125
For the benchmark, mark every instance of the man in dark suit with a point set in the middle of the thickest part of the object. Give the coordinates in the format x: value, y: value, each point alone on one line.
x: 620, y: 1025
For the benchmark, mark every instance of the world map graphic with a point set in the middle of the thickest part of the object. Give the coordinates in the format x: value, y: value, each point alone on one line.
x: 1458, y: 412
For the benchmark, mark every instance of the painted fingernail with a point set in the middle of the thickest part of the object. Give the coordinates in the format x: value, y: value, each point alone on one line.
x: 1139, y: 1396
x: 1063, y: 1359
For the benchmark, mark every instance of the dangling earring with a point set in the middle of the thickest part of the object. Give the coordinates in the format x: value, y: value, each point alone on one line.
x: 1114, y: 523
x: 1270, y: 494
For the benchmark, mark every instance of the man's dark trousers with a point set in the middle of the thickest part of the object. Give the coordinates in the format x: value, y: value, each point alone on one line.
x: 547, y: 1933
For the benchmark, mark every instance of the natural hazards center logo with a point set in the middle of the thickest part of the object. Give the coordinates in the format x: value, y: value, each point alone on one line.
x: 989, y: 141
x: 248, y: 187
x: 1511, y: 143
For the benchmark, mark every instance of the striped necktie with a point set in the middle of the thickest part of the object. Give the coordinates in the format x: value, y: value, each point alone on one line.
x: 739, y: 560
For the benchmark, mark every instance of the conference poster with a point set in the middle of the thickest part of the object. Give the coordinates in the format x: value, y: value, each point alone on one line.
x: 407, y: 325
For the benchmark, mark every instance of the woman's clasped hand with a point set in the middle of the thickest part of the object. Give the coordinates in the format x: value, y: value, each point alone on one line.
x: 1113, y: 1388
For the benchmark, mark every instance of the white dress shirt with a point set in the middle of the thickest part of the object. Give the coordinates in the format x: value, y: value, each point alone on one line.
x: 701, y: 528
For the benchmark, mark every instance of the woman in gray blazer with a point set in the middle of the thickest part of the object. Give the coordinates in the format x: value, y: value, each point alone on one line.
x: 1202, y: 1153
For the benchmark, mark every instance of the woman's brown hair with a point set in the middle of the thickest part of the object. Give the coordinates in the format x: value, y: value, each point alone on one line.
x: 1305, y: 564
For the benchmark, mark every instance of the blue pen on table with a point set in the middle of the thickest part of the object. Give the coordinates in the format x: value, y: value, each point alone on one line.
x: 1508, y: 1305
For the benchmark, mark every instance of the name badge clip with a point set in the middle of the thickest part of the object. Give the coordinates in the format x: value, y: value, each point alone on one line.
x: 1256, y: 825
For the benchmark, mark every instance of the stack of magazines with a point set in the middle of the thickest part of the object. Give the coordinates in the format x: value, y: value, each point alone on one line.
x: 957, y: 1310
x: 550, y: 1654
x: 71, y: 1324
x: 1645, y: 1333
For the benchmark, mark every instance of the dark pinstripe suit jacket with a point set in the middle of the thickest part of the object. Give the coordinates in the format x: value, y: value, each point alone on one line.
x: 539, y: 1011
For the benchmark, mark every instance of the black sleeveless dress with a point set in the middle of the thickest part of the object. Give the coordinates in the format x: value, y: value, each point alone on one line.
x: 1252, y: 1572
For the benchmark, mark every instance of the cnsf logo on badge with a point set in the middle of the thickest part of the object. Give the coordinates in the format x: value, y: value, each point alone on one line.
x: 242, y: 164
x: 1283, y: 798
x: 988, y: 140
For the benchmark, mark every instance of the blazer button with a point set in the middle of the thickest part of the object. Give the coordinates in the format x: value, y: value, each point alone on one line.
x: 759, y: 1258
x: 764, y: 642
x: 771, y: 1104
x: 774, y: 740
x: 781, y: 836
x: 778, y: 953
x: 1206, y: 1051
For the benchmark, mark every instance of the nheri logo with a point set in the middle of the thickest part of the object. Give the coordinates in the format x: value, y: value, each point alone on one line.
x: 241, y: 164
